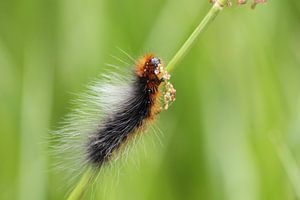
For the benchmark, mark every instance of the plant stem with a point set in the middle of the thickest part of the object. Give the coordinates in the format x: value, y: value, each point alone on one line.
x: 210, y: 16
x: 80, y: 189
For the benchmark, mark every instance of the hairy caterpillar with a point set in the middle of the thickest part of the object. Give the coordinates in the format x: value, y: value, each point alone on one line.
x: 113, y: 110
x: 141, y: 105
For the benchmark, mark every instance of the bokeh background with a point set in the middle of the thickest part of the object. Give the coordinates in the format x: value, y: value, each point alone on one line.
x: 233, y: 133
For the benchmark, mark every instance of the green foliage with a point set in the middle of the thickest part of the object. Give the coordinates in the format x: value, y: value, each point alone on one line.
x: 237, y: 89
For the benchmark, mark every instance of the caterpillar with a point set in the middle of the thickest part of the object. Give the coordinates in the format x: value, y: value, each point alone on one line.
x: 113, y: 109
x: 141, y: 106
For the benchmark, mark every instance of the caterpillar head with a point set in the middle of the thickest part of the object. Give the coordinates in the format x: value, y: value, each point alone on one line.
x: 151, y: 69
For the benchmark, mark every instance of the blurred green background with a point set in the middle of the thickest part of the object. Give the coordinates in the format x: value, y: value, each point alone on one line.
x: 237, y: 91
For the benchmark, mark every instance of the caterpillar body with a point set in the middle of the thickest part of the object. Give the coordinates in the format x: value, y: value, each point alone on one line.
x: 112, y: 111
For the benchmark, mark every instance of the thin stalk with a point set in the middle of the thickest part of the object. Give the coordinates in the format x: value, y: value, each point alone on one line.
x: 80, y: 189
x: 82, y: 186
x: 210, y: 16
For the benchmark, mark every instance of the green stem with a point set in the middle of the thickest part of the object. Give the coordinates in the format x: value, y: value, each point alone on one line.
x: 80, y: 189
x: 210, y: 16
